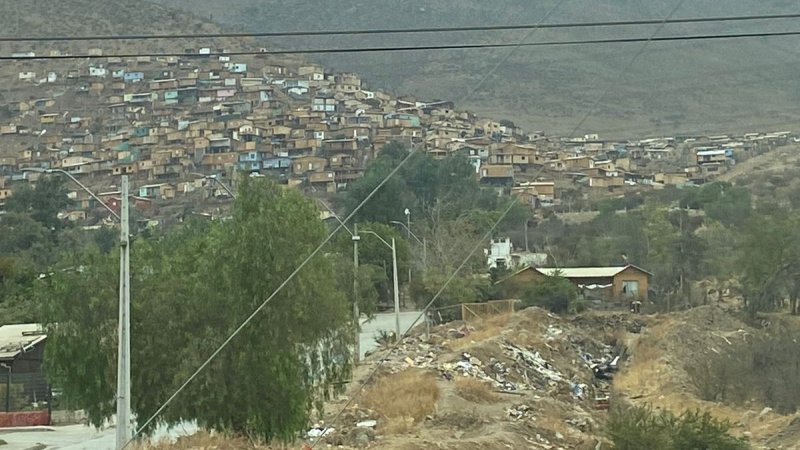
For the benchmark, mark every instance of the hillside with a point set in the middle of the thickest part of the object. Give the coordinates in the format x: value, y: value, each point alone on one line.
x: 94, y: 17
x: 674, y: 88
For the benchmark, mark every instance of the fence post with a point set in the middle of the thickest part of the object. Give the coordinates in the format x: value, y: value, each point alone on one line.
x: 49, y: 404
x: 8, y: 390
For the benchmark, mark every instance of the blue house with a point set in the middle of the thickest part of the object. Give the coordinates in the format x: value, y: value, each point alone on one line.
x: 133, y: 77
x: 252, y: 161
x: 277, y: 163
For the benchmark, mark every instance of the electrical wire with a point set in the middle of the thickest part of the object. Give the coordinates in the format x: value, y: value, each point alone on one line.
x: 389, y: 176
x: 625, y: 69
x: 266, y: 302
x: 400, y: 338
x: 606, y: 24
x: 509, y: 54
x: 424, y: 311
x: 700, y: 37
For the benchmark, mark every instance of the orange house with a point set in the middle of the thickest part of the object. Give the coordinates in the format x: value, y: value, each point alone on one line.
x: 616, y: 283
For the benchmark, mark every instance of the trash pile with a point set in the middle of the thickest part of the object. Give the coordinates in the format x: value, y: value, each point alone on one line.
x: 512, y: 368
x: 552, y: 372
x: 357, y: 429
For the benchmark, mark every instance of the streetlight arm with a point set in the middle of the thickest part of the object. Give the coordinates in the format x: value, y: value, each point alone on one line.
x: 224, y: 187
x: 75, y: 180
x: 377, y: 236
x: 407, y: 229
x: 216, y: 180
x: 336, y: 216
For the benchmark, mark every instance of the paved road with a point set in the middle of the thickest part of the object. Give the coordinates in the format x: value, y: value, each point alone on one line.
x: 78, y: 437
x: 384, y: 322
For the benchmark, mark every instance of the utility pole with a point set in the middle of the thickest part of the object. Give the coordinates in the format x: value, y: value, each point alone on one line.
x: 408, y: 238
x: 124, y: 339
x: 356, y: 314
x: 526, y: 236
x: 396, y: 294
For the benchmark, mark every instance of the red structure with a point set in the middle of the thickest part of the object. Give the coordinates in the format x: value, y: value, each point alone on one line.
x: 24, y: 419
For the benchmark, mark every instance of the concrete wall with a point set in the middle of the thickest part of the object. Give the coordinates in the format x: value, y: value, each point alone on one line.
x: 24, y: 419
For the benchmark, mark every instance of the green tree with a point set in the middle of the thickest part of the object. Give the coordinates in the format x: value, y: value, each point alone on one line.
x: 43, y: 202
x: 190, y: 290
x: 555, y: 293
x: 728, y: 204
x: 769, y: 254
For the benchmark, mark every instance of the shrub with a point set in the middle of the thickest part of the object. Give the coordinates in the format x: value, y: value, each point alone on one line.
x: 636, y: 428
x: 555, y: 293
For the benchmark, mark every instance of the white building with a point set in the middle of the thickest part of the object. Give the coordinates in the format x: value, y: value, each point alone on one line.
x: 501, y: 254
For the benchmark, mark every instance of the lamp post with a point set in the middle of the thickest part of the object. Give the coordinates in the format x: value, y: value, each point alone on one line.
x: 423, y: 242
x: 356, y: 313
x: 394, y: 276
x: 124, y: 326
x: 408, y: 238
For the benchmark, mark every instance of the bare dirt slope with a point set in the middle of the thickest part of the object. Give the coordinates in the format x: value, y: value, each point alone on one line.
x: 526, y: 381
x: 655, y: 373
x: 674, y: 88
x: 533, y: 405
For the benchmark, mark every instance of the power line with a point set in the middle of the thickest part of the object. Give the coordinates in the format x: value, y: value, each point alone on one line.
x: 626, y: 67
x: 300, y: 267
x: 399, y: 339
x: 701, y: 37
x: 508, y: 55
x: 605, y: 24
x: 487, y: 236
x: 267, y: 301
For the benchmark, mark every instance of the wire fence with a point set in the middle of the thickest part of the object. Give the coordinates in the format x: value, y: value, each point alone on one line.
x: 471, y: 311
x: 21, y: 392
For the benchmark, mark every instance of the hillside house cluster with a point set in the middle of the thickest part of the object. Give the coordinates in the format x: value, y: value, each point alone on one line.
x: 168, y: 121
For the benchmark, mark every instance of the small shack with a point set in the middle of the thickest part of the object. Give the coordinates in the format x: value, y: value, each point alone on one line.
x: 614, y: 284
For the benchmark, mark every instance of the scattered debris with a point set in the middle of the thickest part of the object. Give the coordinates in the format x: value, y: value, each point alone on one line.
x: 367, y: 424
x: 519, y: 412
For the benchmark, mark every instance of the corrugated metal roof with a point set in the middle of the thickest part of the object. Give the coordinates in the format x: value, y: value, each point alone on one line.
x: 582, y: 272
x: 15, y: 339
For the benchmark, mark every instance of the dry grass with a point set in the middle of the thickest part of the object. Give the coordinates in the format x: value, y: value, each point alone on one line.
x: 205, y: 440
x: 475, y: 391
x: 403, y: 399
x: 484, y: 329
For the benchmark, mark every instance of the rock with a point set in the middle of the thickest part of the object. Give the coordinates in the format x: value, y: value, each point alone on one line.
x: 367, y: 424
x: 764, y: 412
x: 362, y: 441
x: 559, y: 436
x: 747, y: 434
x: 2, y: 442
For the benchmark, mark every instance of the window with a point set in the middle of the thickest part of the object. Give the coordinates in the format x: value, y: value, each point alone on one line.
x: 630, y: 288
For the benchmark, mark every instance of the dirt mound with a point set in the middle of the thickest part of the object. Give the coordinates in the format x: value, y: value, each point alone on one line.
x: 528, y: 380
x: 537, y: 380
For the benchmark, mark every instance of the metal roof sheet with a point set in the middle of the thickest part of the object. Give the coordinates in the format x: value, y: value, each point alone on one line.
x: 16, y: 339
x: 582, y: 272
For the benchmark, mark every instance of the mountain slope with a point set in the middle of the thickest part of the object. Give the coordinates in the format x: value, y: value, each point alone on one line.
x: 673, y: 87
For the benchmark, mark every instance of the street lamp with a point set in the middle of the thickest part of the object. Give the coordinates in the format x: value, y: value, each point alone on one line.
x: 407, y: 212
x: 394, y: 276
x: 423, y: 242
x: 124, y: 326
x: 356, y: 313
